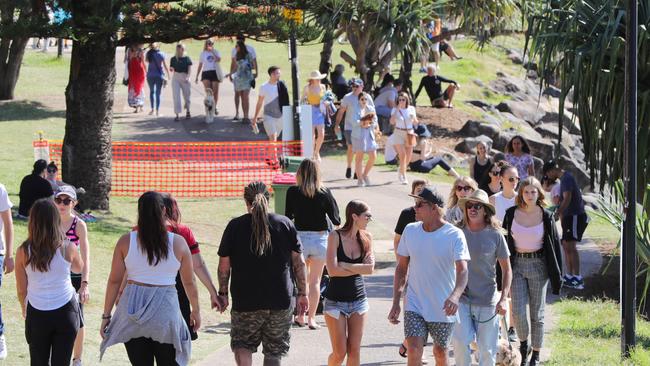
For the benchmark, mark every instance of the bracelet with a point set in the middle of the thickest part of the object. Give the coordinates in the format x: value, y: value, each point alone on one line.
x: 222, y: 293
x: 106, y: 317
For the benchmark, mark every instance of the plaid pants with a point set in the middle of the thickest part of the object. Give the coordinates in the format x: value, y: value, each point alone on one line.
x: 529, y: 284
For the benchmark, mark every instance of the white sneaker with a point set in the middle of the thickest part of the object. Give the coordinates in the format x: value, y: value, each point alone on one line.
x: 3, y: 347
x: 366, y: 180
x: 76, y: 362
x: 361, y: 183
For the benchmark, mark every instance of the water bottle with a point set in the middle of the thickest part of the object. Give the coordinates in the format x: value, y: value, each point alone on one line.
x: 339, y: 134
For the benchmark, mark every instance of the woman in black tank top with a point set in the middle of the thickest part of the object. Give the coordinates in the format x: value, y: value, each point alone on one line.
x: 349, y: 256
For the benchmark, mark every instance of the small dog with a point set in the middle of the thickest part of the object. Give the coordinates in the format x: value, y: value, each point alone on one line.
x: 507, y: 355
x: 210, y: 108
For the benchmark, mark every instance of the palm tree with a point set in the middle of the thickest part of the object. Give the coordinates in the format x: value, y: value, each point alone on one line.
x: 583, y: 41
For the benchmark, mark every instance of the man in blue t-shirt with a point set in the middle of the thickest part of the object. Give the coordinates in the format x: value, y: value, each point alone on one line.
x: 574, y: 221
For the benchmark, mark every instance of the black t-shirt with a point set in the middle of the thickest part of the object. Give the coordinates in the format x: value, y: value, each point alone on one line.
x: 433, y: 86
x: 32, y: 188
x: 260, y: 283
x: 310, y: 214
x: 406, y: 217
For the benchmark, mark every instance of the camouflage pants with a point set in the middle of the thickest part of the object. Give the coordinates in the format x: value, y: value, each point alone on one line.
x: 269, y: 327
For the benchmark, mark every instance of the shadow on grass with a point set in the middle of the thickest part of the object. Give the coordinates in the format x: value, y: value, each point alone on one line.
x: 27, y: 110
x: 602, y: 331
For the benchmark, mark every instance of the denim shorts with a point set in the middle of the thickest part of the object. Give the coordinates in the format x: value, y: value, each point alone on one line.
x: 314, y: 244
x: 336, y: 308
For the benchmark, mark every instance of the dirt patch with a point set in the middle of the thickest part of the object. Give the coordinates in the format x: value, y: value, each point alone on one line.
x: 444, y: 124
x: 606, y: 284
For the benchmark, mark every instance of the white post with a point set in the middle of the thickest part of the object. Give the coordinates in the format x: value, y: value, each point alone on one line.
x: 306, y: 131
x: 287, y: 123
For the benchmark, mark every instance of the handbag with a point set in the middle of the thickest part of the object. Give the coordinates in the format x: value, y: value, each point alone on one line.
x: 125, y: 78
x: 411, y: 137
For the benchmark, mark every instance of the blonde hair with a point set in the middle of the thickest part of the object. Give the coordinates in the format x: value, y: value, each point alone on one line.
x: 530, y: 181
x: 453, y: 200
x: 308, y: 178
x: 257, y: 197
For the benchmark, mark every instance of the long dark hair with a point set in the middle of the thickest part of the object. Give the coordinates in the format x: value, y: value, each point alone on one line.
x: 357, y: 207
x: 524, y: 144
x: 172, y: 212
x: 257, y: 197
x: 242, y: 51
x: 152, y: 232
x: 44, y: 235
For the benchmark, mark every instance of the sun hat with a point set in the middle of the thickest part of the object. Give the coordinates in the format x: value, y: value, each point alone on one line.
x: 479, y: 196
x: 316, y: 75
x: 66, y: 190
x: 431, y: 195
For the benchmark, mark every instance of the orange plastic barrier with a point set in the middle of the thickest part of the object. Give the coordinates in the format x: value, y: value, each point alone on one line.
x: 190, y: 169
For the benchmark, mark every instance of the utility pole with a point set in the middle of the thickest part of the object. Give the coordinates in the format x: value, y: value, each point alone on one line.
x: 628, y: 275
x: 293, y: 57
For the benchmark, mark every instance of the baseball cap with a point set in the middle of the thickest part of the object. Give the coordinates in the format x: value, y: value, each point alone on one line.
x: 355, y: 81
x: 66, y: 190
x: 430, y: 194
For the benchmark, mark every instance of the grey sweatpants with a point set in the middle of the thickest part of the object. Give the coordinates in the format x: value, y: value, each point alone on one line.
x: 529, y: 284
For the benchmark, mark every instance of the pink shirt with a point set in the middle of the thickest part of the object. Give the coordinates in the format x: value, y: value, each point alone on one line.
x: 528, y: 239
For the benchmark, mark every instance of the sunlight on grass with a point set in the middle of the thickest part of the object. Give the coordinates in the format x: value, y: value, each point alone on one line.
x: 588, y: 333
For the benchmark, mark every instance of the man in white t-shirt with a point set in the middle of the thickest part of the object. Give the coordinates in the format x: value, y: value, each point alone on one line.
x: 434, y: 253
x: 233, y: 67
x: 270, y: 98
x: 6, y: 253
x: 350, y: 108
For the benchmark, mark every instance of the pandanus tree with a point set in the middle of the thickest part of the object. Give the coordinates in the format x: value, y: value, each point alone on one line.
x: 98, y: 27
x: 583, y: 41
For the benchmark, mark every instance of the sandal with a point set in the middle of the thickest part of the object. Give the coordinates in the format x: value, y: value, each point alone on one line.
x: 298, y: 324
x: 402, y: 350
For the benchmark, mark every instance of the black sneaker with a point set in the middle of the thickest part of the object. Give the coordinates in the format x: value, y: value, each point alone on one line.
x: 524, y: 351
x: 348, y: 173
x: 355, y: 176
x: 512, y: 335
x: 577, y: 283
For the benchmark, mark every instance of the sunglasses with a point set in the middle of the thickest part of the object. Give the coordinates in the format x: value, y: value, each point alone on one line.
x: 513, y: 179
x: 464, y: 188
x: 476, y: 206
x: 51, y: 170
x: 64, y: 201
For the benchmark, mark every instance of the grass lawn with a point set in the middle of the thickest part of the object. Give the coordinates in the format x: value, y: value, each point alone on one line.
x: 588, y: 333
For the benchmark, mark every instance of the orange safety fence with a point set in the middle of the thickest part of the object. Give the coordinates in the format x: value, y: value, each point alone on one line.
x: 192, y: 169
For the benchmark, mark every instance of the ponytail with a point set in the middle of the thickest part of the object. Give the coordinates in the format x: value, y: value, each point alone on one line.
x: 257, y: 196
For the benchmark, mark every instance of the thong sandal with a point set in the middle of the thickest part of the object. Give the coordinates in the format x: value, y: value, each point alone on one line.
x: 402, y: 350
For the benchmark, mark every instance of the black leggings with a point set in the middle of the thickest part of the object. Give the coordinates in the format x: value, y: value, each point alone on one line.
x: 51, y: 334
x: 142, y: 352
x: 428, y: 165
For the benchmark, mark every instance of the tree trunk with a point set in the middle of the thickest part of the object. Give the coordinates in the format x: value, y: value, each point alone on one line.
x: 325, y: 64
x: 11, y: 58
x: 406, y: 71
x: 87, y: 156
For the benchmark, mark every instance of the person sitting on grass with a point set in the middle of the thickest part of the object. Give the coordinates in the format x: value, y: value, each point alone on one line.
x: 432, y: 83
x: 424, y: 159
x: 33, y: 187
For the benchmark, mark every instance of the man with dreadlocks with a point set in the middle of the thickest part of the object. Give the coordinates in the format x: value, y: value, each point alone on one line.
x: 257, y: 250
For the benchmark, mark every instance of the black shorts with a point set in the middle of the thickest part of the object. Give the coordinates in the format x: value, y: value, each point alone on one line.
x: 209, y: 75
x: 76, y: 283
x: 573, y: 226
x: 443, y: 46
x: 443, y: 96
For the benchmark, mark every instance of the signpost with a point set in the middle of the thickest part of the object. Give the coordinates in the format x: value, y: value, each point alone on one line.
x: 628, y: 256
x: 296, y: 16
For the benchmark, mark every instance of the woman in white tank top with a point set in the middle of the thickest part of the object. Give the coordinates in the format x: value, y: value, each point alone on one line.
x: 147, y: 318
x: 506, y: 198
x: 45, y: 292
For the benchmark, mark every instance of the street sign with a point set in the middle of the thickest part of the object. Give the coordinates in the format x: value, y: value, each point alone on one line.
x: 293, y: 14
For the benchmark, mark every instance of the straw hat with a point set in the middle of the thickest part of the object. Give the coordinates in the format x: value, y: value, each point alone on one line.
x: 316, y: 75
x: 479, y: 196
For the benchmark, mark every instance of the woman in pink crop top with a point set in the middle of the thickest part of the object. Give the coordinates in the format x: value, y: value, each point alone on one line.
x: 534, y: 245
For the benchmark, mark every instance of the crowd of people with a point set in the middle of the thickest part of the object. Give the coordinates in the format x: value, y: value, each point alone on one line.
x: 493, y: 254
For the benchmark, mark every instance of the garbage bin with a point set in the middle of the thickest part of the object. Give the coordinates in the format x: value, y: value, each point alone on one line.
x: 280, y: 185
x: 290, y: 164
